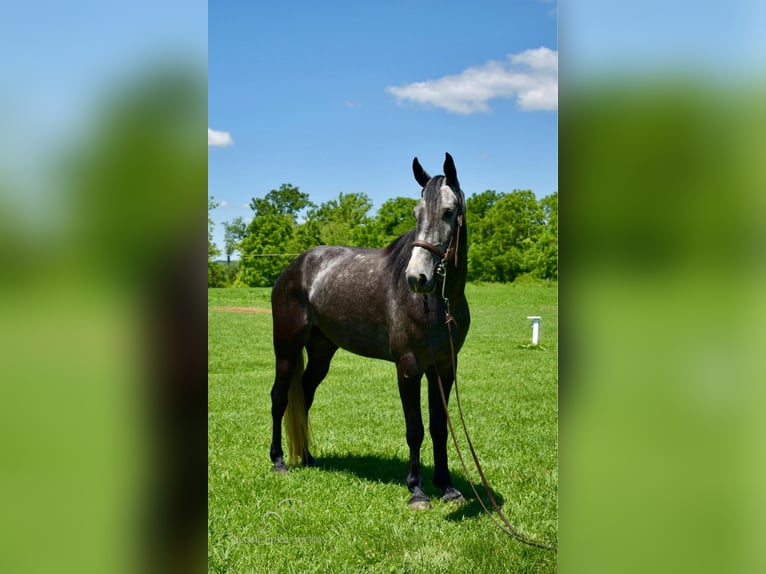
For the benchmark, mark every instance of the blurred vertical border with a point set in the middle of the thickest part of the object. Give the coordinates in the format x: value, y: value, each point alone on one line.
x: 662, y: 283
x: 102, y: 287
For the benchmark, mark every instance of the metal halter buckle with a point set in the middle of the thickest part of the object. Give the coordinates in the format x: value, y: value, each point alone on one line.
x: 441, y: 269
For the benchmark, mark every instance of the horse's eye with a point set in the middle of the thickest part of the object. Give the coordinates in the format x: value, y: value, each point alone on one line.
x: 448, y: 213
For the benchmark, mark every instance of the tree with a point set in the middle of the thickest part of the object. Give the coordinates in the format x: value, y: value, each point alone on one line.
x: 234, y: 232
x: 394, y: 217
x: 338, y: 221
x: 548, y: 244
x: 512, y: 234
x: 479, y: 204
x: 265, y: 250
x: 215, y: 271
x: 287, y: 200
x: 212, y: 250
x: 506, y: 238
x: 270, y: 237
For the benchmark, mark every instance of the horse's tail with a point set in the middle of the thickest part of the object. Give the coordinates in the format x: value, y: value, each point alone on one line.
x: 296, y: 417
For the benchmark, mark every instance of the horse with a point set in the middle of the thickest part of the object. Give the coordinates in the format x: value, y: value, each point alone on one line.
x: 391, y: 304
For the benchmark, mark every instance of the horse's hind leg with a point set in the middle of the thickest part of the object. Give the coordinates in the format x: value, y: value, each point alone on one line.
x: 438, y: 430
x: 290, y: 335
x: 289, y: 365
x: 320, y: 351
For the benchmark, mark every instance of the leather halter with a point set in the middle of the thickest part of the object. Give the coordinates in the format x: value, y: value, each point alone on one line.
x: 444, y: 254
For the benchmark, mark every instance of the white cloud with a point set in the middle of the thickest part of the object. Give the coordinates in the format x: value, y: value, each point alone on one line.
x: 218, y: 139
x: 530, y: 76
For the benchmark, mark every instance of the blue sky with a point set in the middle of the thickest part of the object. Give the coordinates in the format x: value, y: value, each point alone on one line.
x: 341, y: 100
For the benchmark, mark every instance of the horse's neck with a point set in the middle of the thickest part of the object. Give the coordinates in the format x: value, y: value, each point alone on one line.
x: 457, y: 274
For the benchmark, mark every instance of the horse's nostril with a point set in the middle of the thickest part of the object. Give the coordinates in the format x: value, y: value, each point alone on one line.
x: 422, y: 280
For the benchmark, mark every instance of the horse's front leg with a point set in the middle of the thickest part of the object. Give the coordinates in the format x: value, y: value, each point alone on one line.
x: 409, y: 391
x: 438, y: 429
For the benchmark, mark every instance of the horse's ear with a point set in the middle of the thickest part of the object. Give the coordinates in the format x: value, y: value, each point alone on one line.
x: 450, y: 172
x: 421, y: 176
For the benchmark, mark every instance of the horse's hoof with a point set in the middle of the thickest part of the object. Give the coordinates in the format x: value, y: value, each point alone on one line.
x: 455, y: 500
x: 417, y: 503
x: 280, y: 468
x: 453, y: 496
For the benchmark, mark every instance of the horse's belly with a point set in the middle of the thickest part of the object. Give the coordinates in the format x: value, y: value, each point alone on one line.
x: 357, y: 335
x: 365, y: 344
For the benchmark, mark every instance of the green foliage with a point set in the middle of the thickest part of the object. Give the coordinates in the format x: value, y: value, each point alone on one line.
x: 222, y: 273
x: 511, y: 234
x: 547, y: 263
x: 337, y: 222
x: 234, y: 232
x: 287, y: 200
x: 212, y: 250
x: 216, y: 274
x: 263, y: 250
x: 270, y: 238
x: 479, y: 204
x: 394, y: 217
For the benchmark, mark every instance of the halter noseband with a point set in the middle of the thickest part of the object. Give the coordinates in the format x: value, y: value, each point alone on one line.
x: 444, y: 254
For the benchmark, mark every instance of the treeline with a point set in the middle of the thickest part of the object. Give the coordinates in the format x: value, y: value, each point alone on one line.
x: 510, y: 234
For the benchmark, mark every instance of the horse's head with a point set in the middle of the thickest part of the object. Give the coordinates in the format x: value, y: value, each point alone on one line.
x: 439, y: 217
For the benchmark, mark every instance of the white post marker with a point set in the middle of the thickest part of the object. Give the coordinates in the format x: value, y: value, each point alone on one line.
x: 535, y: 329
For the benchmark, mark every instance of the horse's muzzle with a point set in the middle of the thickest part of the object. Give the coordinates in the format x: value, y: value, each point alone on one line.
x: 420, y: 283
x: 421, y: 268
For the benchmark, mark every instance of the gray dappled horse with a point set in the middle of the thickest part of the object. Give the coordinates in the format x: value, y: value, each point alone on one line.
x: 380, y: 303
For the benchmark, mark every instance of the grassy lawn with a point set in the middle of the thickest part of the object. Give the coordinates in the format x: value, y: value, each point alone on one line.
x: 350, y: 514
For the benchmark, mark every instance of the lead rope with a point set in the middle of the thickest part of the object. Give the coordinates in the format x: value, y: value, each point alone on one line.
x: 506, y: 526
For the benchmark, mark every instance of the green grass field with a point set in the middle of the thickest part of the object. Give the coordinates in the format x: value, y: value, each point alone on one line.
x: 350, y: 513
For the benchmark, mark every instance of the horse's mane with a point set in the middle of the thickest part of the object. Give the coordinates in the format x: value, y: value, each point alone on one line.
x: 398, y: 250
